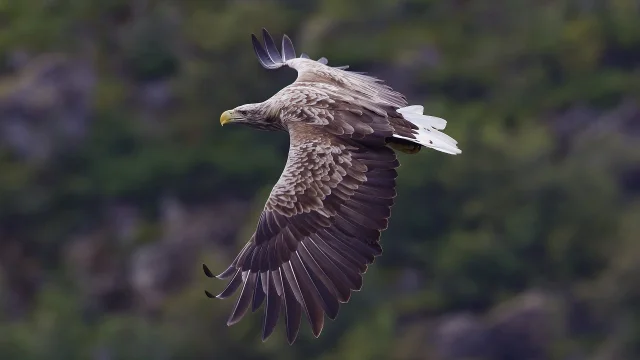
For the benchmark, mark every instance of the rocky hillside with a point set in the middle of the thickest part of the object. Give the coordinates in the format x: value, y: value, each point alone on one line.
x: 117, y: 181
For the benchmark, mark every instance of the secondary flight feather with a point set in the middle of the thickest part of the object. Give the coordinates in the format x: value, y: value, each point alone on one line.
x: 321, y: 225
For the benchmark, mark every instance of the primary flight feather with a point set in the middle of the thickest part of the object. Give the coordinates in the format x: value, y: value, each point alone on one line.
x: 321, y: 225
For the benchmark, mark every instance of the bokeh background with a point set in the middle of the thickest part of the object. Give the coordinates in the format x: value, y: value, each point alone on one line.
x: 117, y: 181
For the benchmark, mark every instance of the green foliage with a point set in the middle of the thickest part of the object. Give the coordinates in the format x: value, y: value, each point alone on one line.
x: 521, y: 207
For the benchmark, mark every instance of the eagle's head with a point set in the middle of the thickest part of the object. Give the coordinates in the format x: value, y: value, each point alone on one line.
x: 259, y: 115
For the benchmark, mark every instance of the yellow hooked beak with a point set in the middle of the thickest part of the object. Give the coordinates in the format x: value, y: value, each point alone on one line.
x: 226, y: 117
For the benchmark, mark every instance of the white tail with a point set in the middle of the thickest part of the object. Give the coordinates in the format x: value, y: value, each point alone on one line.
x: 428, y: 134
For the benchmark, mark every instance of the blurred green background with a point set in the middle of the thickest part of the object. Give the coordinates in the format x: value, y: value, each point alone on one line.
x: 117, y: 181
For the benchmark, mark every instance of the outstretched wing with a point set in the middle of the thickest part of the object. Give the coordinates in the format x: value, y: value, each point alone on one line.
x: 318, y: 232
x: 423, y: 129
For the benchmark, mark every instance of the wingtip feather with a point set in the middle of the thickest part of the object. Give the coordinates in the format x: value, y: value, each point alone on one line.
x: 207, y: 272
x: 271, y: 58
x: 288, y: 51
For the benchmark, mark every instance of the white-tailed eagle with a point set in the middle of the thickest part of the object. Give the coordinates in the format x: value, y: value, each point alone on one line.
x: 321, y: 225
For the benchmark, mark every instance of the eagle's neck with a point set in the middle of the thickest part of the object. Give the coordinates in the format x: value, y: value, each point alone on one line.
x: 271, y: 116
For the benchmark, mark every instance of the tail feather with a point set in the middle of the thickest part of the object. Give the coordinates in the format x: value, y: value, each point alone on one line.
x: 414, y: 114
x: 428, y: 134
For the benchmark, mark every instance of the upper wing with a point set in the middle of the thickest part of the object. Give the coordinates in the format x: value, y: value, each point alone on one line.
x: 318, y: 232
x: 317, y: 72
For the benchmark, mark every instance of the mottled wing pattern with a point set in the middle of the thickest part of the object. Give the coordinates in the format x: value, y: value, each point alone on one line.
x: 318, y: 232
x: 346, y: 113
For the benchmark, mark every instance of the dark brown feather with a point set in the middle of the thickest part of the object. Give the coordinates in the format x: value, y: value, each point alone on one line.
x: 272, y: 309
x: 312, y: 301
x: 258, y: 294
x: 292, y: 312
x: 242, y: 305
x: 232, y: 286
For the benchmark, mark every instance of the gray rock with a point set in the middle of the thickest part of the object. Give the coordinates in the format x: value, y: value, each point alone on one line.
x: 462, y: 336
x: 525, y: 327
x: 45, y: 106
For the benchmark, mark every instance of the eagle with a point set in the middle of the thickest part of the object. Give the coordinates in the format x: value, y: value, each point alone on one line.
x: 320, y: 227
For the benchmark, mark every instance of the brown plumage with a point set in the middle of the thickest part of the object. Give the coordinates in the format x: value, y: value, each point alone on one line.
x: 321, y: 225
